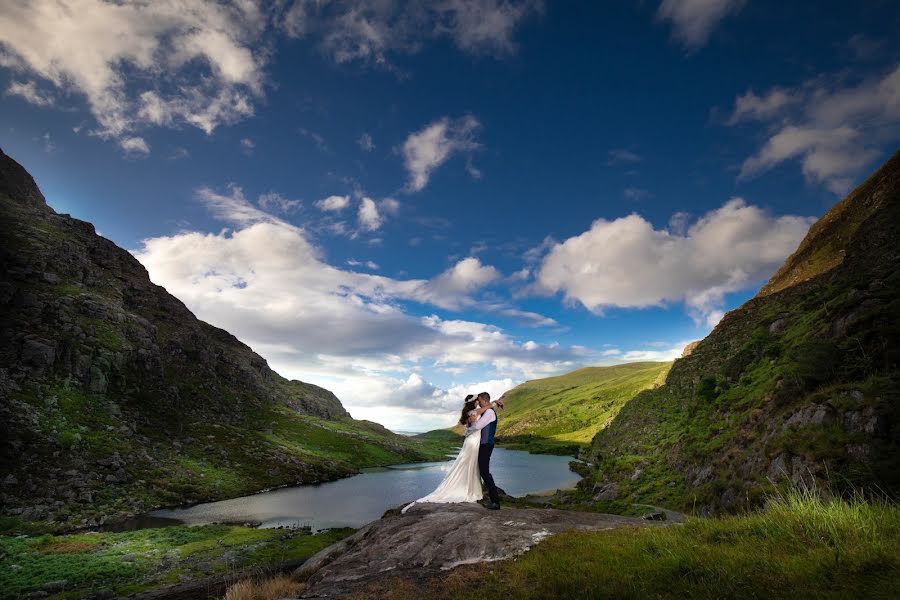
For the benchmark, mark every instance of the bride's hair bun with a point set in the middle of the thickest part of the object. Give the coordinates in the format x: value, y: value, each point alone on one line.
x: 469, y: 397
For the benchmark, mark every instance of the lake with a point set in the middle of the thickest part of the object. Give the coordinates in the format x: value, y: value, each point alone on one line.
x: 355, y: 501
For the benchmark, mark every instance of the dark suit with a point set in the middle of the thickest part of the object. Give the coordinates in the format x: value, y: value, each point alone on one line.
x: 484, y: 458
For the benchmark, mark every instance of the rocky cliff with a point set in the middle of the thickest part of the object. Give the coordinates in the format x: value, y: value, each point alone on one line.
x: 799, y: 386
x: 114, y: 398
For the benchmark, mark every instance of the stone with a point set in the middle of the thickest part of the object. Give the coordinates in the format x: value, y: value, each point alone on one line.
x: 778, y: 326
x: 432, y: 538
x: 38, y: 353
x: 812, y: 414
x: 703, y: 475
x: 53, y: 587
x: 98, y: 381
x: 606, y: 491
x: 779, y: 467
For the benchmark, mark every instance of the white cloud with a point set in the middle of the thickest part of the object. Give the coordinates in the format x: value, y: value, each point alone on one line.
x: 427, y: 149
x: 119, y: 56
x: 694, y: 20
x: 30, y: 93
x: 528, y: 318
x: 369, y: 217
x: 389, y: 206
x: 233, y: 206
x: 752, y: 107
x: 248, y: 145
x: 365, y: 142
x: 628, y: 263
x: 333, y: 203
x: 835, y: 130
x: 276, y: 203
x: 134, y: 145
x: 368, y: 263
x: 451, y: 288
x: 371, y: 30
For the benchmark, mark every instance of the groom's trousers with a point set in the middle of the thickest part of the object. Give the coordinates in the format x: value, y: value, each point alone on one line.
x: 484, y: 468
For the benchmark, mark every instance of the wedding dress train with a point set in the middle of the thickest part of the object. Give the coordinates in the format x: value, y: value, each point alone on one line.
x: 462, y: 483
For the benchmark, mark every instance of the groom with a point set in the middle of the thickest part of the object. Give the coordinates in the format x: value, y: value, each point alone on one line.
x: 487, y: 422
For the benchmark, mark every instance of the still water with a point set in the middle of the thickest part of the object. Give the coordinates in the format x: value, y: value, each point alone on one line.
x: 357, y: 500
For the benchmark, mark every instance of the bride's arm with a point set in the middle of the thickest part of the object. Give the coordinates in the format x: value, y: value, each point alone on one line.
x: 493, y: 404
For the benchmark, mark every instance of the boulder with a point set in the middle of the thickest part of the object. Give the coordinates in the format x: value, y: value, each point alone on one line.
x: 431, y: 538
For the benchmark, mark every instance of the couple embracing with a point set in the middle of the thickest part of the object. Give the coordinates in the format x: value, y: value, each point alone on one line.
x: 463, y: 482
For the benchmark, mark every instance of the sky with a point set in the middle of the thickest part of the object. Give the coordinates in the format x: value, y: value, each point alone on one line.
x: 406, y: 202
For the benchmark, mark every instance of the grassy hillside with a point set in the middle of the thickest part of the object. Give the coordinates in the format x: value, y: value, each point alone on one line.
x: 116, y: 399
x: 560, y: 415
x: 800, y: 384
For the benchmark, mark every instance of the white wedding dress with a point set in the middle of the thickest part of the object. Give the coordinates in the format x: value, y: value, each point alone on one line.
x: 462, y: 483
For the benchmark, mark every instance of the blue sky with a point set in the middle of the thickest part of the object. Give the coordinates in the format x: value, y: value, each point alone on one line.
x: 405, y: 202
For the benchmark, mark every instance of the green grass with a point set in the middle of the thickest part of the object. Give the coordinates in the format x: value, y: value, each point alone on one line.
x: 800, y: 546
x: 559, y: 415
x: 146, y: 559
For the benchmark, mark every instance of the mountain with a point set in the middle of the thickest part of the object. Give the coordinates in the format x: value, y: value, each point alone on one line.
x: 800, y: 386
x: 115, y: 399
x: 559, y: 415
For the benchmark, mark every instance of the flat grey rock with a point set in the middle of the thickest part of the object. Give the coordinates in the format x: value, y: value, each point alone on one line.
x: 430, y: 538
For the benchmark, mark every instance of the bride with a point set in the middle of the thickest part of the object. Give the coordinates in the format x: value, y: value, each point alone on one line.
x: 462, y: 483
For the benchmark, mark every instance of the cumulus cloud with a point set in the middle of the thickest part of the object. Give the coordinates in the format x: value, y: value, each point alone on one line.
x: 427, y: 149
x: 628, y: 263
x: 372, y: 30
x: 694, y: 20
x: 833, y: 129
x: 160, y: 63
x: 333, y: 203
x: 369, y: 217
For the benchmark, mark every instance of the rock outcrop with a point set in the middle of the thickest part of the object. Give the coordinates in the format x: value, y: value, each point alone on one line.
x: 430, y: 538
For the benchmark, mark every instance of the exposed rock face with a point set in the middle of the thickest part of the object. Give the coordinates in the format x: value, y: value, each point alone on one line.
x: 433, y: 537
x: 799, y: 386
x: 107, y: 380
x: 689, y: 348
